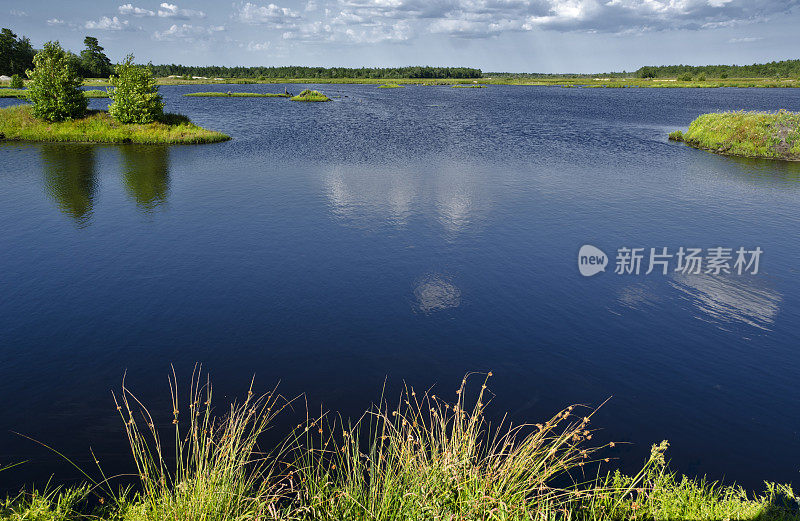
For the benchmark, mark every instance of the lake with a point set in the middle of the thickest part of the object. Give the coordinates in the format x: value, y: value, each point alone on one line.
x: 407, y: 236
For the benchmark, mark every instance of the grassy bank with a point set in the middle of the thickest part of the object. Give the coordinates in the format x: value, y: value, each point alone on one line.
x: 18, y: 124
x: 310, y: 95
x: 390, y: 86
x: 552, y: 81
x: 420, y: 458
x: 237, y: 95
x: 23, y: 94
x: 473, y: 86
x: 746, y: 134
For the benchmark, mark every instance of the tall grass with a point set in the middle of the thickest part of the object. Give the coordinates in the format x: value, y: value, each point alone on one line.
x: 237, y: 95
x: 310, y: 95
x: 422, y: 458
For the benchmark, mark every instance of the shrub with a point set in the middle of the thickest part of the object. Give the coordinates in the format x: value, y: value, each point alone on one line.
x: 702, y: 77
x: 55, y: 87
x: 135, y: 97
x: 16, y: 82
x: 724, y: 75
x: 685, y: 77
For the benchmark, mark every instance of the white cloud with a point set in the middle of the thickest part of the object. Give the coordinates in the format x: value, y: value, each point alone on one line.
x: 17, y: 12
x: 269, y: 14
x: 187, y: 32
x: 107, y: 24
x: 258, y: 46
x: 746, y: 39
x: 345, y: 29
x: 166, y: 10
x: 130, y: 9
x: 55, y: 21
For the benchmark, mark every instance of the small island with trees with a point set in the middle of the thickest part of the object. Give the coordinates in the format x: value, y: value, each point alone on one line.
x: 59, y: 106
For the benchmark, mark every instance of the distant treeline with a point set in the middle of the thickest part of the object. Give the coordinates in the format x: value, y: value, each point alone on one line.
x: 781, y: 69
x: 316, y: 72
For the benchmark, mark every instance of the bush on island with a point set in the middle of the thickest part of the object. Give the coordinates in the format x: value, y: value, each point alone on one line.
x: 55, y: 86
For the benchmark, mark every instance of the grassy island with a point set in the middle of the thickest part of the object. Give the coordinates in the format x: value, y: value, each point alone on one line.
x: 390, y: 86
x: 747, y: 134
x: 310, y: 95
x: 424, y: 457
x: 18, y: 124
x: 468, y: 86
x: 238, y: 95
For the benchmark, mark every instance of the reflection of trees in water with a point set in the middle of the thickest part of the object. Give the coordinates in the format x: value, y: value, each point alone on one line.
x: 145, y: 172
x: 70, y: 179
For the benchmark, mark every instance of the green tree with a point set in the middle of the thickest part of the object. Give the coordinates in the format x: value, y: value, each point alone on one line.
x: 55, y: 87
x: 16, y: 82
x: 135, y: 97
x: 16, y: 54
x: 94, y: 62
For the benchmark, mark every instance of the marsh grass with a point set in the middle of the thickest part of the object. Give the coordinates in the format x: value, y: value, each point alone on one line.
x: 391, y: 86
x: 747, y: 134
x: 468, y: 86
x: 421, y: 458
x: 23, y: 94
x: 237, y: 95
x: 310, y: 95
x: 17, y: 123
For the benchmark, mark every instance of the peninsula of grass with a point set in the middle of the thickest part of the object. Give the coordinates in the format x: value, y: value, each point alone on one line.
x: 746, y: 134
x: 237, y: 95
x: 17, y: 123
x: 390, y: 86
x: 23, y: 94
x: 310, y: 95
x: 423, y: 457
x: 468, y: 86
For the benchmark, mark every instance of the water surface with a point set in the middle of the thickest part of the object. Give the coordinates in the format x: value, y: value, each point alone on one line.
x: 407, y: 235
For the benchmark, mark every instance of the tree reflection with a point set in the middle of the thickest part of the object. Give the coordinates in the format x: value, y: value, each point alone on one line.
x: 145, y: 172
x: 70, y: 179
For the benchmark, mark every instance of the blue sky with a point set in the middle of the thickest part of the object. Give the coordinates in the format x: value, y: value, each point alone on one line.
x: 494, y: 35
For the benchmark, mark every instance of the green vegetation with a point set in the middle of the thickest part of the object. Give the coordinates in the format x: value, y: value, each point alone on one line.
x: 55, y: 86
x: 16, y: 54
x: 18, y: 123
x: 135, y: 97
x: 94, y: 62
x: 468, y: 86
x: 16, y: 82
x: 780, y: 69
x: 23, y: 94
x: 747, y: 134
x: 423, y: 458
x: 315, y: 73
x: 310, y: 95
x: 390, y: 86
x: 237, y: 95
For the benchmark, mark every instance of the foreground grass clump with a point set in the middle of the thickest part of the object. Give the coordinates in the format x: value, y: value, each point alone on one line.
x: 390, y: 86
x: 747, y: 134
x: 19, y: 124
x: 310, y: 95
x: 237, y: 95
x: 421, y: 459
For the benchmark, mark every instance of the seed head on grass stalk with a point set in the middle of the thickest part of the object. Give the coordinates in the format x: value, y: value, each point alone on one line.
x: 427, y: 459
x: 218, y: 471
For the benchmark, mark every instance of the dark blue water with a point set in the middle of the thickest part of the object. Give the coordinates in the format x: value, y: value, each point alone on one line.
x: 407, y: 235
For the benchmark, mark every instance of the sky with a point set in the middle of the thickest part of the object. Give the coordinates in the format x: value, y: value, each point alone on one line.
x: 552, y: 36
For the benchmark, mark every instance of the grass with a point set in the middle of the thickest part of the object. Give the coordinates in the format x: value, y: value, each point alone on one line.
x: 310, y: 95
x: 468, y: 86
x: 18, y: 124
x: 237, y: 95
x: 23, y: 94
x: 498, y: 79
x: 390, y: 86
x: 747, y: 134
x: 423, y: 458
